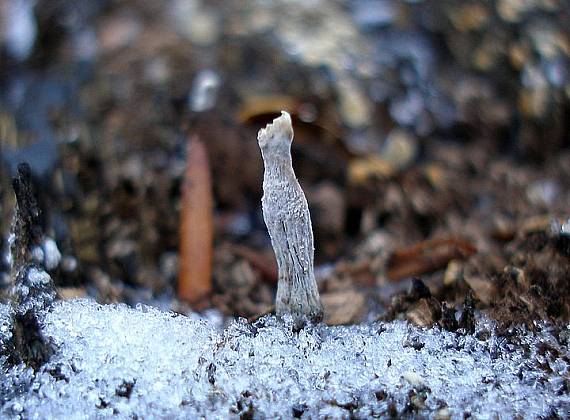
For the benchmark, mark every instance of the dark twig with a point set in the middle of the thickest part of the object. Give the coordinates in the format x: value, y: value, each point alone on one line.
x: 33, y: 290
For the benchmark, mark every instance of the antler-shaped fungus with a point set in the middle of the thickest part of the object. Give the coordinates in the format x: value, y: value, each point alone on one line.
x: 288, y: 221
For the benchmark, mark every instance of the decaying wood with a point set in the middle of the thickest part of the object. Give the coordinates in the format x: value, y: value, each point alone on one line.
x: 196, y: 226
x: 26, y: 230
x: 266, y: 267
x: 427, y: 256
x: 288, y: 221
x: 33, y: 290
x: 344, y: 307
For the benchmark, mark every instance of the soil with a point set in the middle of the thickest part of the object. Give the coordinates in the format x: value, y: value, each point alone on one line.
x: 433, y: 150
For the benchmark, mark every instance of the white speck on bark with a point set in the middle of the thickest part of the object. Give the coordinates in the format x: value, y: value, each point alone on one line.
x: 288, y: 221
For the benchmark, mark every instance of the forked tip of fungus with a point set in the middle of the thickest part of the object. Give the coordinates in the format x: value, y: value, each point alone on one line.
x: 280, y: 128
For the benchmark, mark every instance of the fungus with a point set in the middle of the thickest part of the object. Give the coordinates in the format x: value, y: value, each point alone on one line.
x: 288, y: 221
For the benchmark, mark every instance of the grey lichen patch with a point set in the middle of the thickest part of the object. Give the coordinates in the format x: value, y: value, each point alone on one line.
x: 288, y: 221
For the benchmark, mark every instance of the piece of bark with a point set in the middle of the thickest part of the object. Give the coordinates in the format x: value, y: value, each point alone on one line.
x: 424, y: 313
x: 483, y: 288
x: 344, y: 307
x: 196, y: 226
x: 448, y: 320
x: 467, y: 318
x: 33, y: 290
x: 427, y: 256
x: 288, y: 221
x: 26, y: 228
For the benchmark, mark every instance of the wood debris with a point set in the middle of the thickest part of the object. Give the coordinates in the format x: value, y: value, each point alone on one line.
x: 427, y: 256
x: 196, y: 226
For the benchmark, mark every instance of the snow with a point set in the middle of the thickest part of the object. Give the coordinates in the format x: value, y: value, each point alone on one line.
x: 52, y: 256
x: 116, y: 360
x: 35, y: 292
x: 47, y: 254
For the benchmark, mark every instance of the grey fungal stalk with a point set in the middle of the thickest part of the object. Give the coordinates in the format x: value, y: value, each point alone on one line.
x: 288, y: 221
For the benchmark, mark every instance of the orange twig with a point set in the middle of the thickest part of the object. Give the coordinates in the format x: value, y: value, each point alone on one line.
x: 427, y: 256
x: 196, y: 226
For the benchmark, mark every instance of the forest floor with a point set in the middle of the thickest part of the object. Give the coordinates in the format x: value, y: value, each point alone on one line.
x: 431, y: 140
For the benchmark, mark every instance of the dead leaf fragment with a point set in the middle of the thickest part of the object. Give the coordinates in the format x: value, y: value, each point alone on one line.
x: 427, y: 256
x: 343, y: 307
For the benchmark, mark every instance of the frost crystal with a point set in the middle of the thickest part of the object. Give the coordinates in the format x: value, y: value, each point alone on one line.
x: 144, y: 363
x: 52, y: 256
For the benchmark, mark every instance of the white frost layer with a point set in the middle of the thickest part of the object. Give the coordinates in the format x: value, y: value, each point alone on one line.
x: 114, y: 360
x: 47, y: 254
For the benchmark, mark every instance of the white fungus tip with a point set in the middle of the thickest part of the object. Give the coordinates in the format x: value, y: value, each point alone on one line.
x: 280, y: 127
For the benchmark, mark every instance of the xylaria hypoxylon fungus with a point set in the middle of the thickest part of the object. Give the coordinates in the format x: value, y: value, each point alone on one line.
x: 288, y: 221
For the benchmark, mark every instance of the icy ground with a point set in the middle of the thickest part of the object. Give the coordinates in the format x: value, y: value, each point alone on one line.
x: 115, y: 360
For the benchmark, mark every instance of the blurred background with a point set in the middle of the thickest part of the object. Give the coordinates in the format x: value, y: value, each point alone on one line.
x: 431, y: 139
